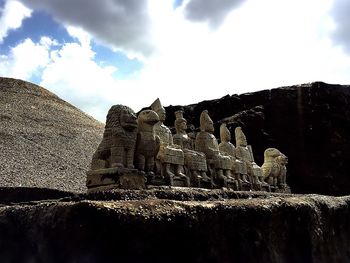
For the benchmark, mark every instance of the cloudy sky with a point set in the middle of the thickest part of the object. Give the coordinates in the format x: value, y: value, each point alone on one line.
x: 95, y: 53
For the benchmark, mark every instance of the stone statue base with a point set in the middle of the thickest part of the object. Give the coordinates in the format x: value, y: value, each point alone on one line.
x: 281, y: 189
x: 113, y: 178
x: 175, y: 181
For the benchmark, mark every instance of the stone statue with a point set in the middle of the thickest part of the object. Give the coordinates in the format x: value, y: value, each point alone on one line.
x: 112, y: 164
x: 274, y: 167
x: 170, y: 158
x: 119, y: 139
x: 148, y: 143
x: 245, y: 154
x: 219, y: 165
x: 228, y: 148
x: 195, y: 162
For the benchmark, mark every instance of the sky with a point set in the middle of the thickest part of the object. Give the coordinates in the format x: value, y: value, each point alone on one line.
x: 95, y: 54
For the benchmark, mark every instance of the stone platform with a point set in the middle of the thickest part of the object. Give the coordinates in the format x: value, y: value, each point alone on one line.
x: 179, y: 225
x: 113, y: 178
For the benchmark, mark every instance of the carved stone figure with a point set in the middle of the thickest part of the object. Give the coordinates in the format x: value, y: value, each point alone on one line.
x: 195, y: 162
x: 219, y: 165
x: 170, y: 158
x: 119, y: 138
x: 244, y: 153
x: 282, y: 160
x: 228, y: 148
x: 148, y: 143
x: 274, y: 167
x: 112, y: 164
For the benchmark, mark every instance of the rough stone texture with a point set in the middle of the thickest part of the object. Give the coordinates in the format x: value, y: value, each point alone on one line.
x: 154, y: 226
x: 44, y: 141
x: 309, y: 123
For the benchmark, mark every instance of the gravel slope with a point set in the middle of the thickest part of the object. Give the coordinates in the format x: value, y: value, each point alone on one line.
x: 44, y: 141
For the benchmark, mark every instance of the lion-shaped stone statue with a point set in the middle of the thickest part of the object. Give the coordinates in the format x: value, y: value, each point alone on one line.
x: 119, y: 139
x: 274, y: 167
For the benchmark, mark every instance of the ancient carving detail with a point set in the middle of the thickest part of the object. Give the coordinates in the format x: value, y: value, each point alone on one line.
x: 244, y: 153
x: 195, y: 162
x: 238, y: 167
x: 170, y: 158
x: 147, y: 142
x: 219, y: 165
x: 119, y: 139
x: 274, y: 167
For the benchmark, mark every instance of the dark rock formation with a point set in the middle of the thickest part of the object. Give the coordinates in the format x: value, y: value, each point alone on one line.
x: 44, y: 141
x: 309, y: 123
x: 140, y: 226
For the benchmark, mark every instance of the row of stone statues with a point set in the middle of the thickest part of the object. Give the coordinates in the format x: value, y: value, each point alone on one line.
x: 139, y: 151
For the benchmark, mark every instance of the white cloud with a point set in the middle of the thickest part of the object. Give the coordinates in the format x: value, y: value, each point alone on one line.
x: 12, y: 16
x: 341, y: 31
x: 261, y: 44
x: 122, y: 24
x: 25, y: 59
x: 213, y: 12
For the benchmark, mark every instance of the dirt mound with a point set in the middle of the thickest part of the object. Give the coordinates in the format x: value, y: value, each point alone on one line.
x: 45, y: 141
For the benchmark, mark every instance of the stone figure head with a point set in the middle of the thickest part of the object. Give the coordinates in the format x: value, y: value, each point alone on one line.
x: 225, y: 135
x: 149, y: 117
x: 180, y: 122
x: 241, y: 140
x: 159, y: 109
x: 206, y: 123
x: 282, y: 159
x: 121, y: 117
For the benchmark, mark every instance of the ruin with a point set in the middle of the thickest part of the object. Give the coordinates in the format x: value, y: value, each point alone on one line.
x: 141, y: 153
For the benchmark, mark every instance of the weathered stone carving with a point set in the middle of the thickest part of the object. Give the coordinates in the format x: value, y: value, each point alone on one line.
x: 179, y: 160
x: 112, y: 164
x: 148, y: 143
x: 274, y: 168
x: 170, y: 157
x: 119, y: 139
x: 244, y: 153
x: 238, y: 166
x: 219, y: 166
x: 195, y: 162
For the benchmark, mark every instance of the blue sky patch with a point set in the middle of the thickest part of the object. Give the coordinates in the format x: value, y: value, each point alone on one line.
x: 177, y: 3
x: 38, y: 25
x: 126, y: 67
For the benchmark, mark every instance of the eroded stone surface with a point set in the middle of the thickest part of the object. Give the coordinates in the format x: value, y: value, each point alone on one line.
x: 261, y: 227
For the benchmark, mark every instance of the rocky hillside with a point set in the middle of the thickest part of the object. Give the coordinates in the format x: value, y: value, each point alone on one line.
x: 44, y: 141
x: 173, y: 226
x: 310, y: 123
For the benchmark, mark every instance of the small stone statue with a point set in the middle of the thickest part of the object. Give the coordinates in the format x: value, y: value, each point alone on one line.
x: 195, y: 162
x: 274, y: 167
x: 148, y: 143
x: 245, y: 154
x: 228, y: 148
x: 170, y: 158
x: 119, y: 139
x: 219, y: 165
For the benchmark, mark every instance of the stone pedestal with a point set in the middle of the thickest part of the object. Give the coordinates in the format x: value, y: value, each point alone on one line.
x: 117, y: 177
x: 284, y: 189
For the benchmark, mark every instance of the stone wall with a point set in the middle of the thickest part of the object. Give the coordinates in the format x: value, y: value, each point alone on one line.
x: 309, y: 123
x: 155, y: 226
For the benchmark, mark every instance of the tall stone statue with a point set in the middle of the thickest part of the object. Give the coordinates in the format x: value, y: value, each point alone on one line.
x: 238, y: 167
x: 244, y: 153
x: 170, y: 158
x: 219, y: 165
x: 147, y: 144
x: 195, y: 162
